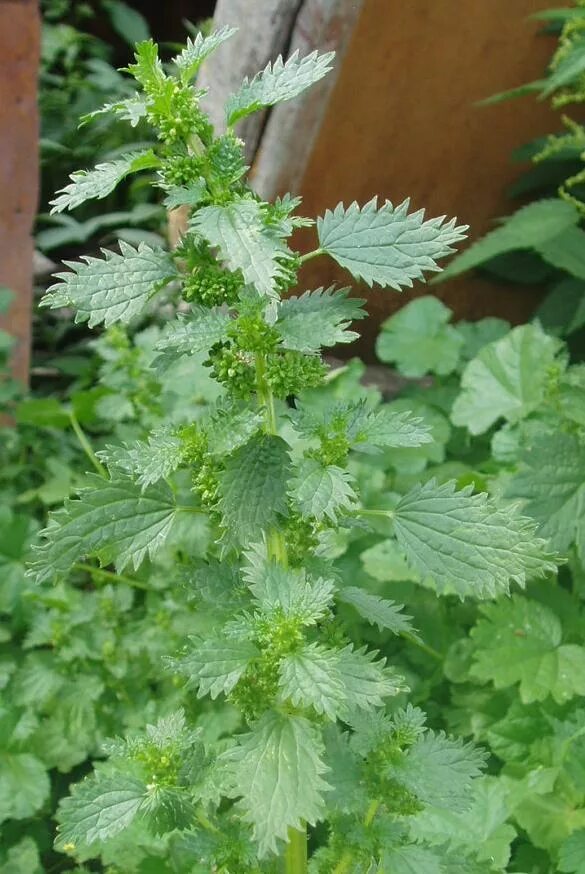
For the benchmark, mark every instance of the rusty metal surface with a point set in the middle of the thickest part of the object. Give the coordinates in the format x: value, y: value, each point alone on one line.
x: 19, y: 58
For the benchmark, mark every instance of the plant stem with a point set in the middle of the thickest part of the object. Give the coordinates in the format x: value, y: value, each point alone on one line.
x: 295, y: 858
x: 109, y: 575
x: 310, y: 255
x: 411, y: 638
x: 86, y: 445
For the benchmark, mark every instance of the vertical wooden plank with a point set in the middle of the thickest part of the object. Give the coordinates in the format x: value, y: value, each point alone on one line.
x: 19, y: 61
x: 402, y: 122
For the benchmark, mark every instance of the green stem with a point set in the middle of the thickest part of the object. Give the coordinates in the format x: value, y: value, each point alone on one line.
x: 109, y: 575
x: 295, y: 859
x: 411, y: 638
x: 86, y: 445
x: 309, y: 255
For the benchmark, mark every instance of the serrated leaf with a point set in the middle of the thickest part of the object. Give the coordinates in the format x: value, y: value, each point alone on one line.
x: 466, y: 541
x: 102, y: 180
x: 277, y: 82
x: 367, y: 682
x: 386, y: 245
x: 508, y: 379
x: 200, y: 48
x: 318, y: 318
x: 386, y: 562
x: 98, y: 809
x: 440, y: 770
x: 149, y: 461
x: 194, y: 333
x: 569, y: 68
x: 24, y: 785
x: 244, y: 242
x: 214, y: 666
x: 228, y: 428
x: 552, y: 482
x: 371, y: 430
x: 112, y: 520
x: 132, y: 109
x: 113, y: 289
x: 572, y: 854
x: 527, y: 228
x: 322, y: 491
x: 565, y: 252
x: 310, y: 678
x: 519, y: 641
x: 288, y: 590
x: 148, y: 69
x: 378, y: 611
x: 277, y: 770
x: 253, y: 487
x: 418, y: 339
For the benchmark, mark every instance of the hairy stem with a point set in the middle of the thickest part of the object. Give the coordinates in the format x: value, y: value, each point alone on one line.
x: 346, y: 861
x: 109, y: 575
x: 295, y: 858
x: 309, y: 255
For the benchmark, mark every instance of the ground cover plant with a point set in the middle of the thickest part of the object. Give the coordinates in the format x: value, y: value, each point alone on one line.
x: 291, y: 724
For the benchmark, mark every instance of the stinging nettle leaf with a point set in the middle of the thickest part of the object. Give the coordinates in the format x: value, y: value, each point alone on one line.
x: 276, y: 770
x: 253, y: 487
x: 277, y: 82
x: 367, y: 682
x: 200, y: 48
x: 113, y: 289
x: 146, y: 462
x: 214, y: 666
x: 386, y: 246
x: 288, y: 590
x: 244, y: 242
x: 318, y: 318
x: 112, y: 520
x: 310, y: 678
x: 99, y: 808
x: 322, y: 491
x: 467, y: 542
x: 196, y: 332
x: 102, y: 180
x: 377, y: 611
x: 373, y: 430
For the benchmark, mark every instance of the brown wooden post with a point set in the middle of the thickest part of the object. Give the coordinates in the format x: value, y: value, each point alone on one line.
x: 19, y: 63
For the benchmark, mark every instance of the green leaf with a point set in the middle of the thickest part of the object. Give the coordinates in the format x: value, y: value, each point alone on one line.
x: 149, y: 461
x: 386, y: 246
x: 148, y: 69
x: 371, y: 430
x: 253, y: 487
x: 196, y: 332
x: 322, y: 491
x: 318, y: 318
x: 22, y: 858
x: 528, y: 228
x: 98, y: 809
x: 552, y: 482
x: 276, y: 770
x: 410, y: 859
x: 245, y: 242
x: 228, y: 428
x: 367, y: 682
x: 43, y: 413
x: 132, y: 109
x: 440, y: 770
x: 310, y: 678
x: 519, y: 641
x: 467, y: 542
x: 288, y: 590
x: 127, y: 22
x: 24, y: 785
x: 385, y: 561
x: 508, y: 379
x: 571, y: 66
x: 214, y: 666
x: 418, y: 339
x: 566, y: 252
x: 277, y: 82
x: 377, y: 611
x: 572, y: 854
x: 115, y: 289
x: 102, y: 180
x: 114, y: 521
x: 200, y: 48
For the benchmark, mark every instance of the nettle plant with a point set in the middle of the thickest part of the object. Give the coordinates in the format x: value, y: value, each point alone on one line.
x: 313, y: 741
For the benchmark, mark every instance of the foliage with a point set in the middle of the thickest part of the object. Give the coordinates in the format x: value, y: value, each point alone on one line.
x: 543, y: 242
x: 250, y: 505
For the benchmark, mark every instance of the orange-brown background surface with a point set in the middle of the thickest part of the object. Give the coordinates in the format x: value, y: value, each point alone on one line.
x: 402, y: 122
